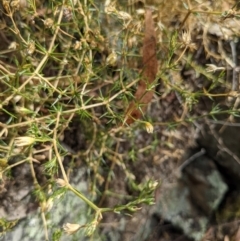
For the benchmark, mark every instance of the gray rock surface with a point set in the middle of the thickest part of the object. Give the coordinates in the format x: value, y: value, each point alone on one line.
x: 189, y: 203
x: 68, y: 209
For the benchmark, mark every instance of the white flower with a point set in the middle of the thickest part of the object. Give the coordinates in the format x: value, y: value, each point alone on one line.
x: 17, y: 98
x: 140, y: 11
x: 124, y: 16
x: 112, y: 59
x: 48, y: 23
x: 187, y: 40
x: 13, y: 46
x: 149, y: 127
x: 47, y: 206
x: 61, y: 182
x: 24, y: 141
x: 153, y: 184
x: 186, y: 37
x: 213, y: 68
x: 71, y: 228
x: 109, y: 7
x: 23, y: 110
x: 15, y: 4
x: 31, y: 47
x: 77, y: 45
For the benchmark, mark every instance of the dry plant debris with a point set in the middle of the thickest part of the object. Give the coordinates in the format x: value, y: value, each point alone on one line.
x: 68, y: 72
x: 145, y: 90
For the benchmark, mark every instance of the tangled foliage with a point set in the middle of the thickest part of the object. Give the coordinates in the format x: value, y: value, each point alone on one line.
x: 72, y: 61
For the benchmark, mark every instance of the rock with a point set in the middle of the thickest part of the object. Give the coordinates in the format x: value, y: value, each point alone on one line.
x: 222, y: 144
x: 189, y: 203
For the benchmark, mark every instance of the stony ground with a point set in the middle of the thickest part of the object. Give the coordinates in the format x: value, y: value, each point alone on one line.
x: 193, y: 155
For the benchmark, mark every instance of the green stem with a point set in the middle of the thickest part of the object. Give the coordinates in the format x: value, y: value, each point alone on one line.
x: 86, y: 200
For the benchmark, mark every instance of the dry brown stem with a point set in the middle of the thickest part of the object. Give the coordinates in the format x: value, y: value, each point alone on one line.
x: 144, y: 91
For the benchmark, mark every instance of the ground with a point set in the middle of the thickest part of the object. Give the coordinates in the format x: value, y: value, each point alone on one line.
x: 70, y: 71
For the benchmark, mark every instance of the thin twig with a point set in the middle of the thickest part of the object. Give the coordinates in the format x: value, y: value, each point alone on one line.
x: 235, y: 82
x: 221, y: 145
x: 189, y: 161
x: 225, y: 123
